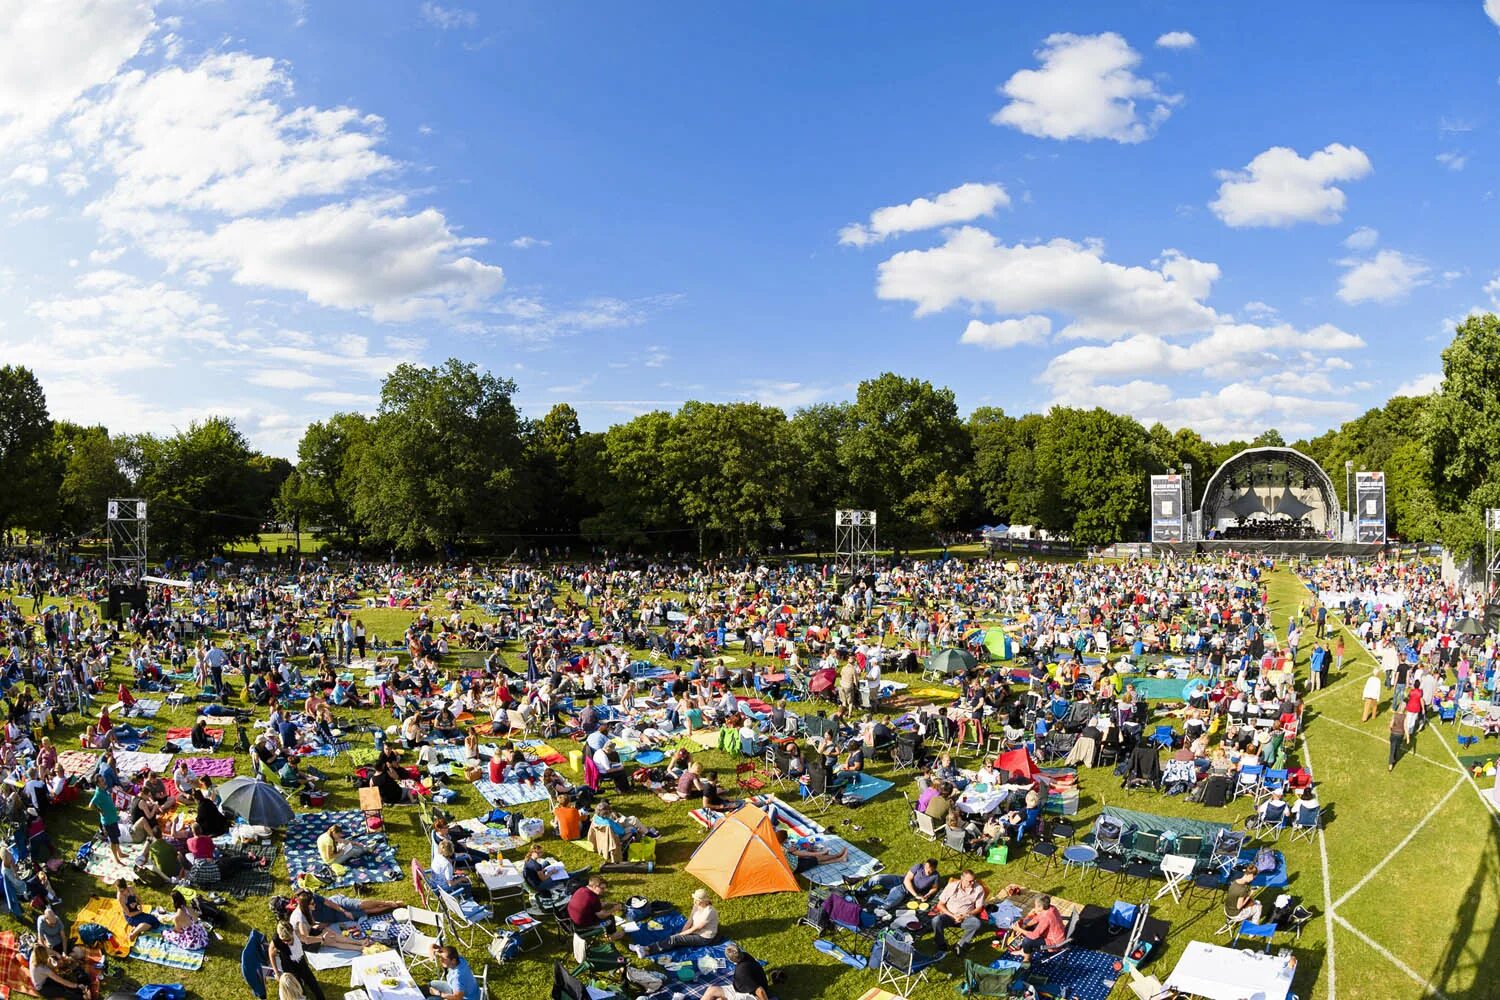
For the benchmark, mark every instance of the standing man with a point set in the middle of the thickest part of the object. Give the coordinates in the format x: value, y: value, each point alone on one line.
x: 1322, y: 621
x: 1372, y: 696
x: 1397, y: 733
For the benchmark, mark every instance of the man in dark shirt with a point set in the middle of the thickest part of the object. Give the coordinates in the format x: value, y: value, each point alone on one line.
x: 587, y: 908
x: 749, y: 979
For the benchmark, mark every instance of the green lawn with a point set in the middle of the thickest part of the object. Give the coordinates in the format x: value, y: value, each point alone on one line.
x: 274, y: 541
x: 1433, y: 906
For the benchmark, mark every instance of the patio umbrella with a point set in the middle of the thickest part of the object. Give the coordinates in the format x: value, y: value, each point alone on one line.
x: 1469, y: 626
x: 256, y: 802
x: 951, y: 661
x: 822, y: 680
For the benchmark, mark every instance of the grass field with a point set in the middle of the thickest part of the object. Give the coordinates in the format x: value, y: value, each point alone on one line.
x: 276, y: 541
x: 1410, y: 864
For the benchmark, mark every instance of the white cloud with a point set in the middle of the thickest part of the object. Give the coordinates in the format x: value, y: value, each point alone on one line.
x: 1299, y: 382
x: 285, y: 378
x: 1492, y: 8
x: 448, y: 18
x: 34, y: 174
x: 346, y: 400
x: 1238, y: 410
x: 1363, y: 238
x: 1279, y: 188
x: 1104, y: 300
x: 962, y: 204
x: 1226, y: 352
x: 1387, y: 277
x: 215, y: 138
x: 57, y: 51
x: 1176, y: 40
x: 1260, y: 310
x: 364, y: 256
x: 1086, y: 88
x: 527, y: 242
x: 534, y: 319
x: 1007, y: 332
x: 787, y: 396
x: 1422, y: 385
x: 1453, y: 161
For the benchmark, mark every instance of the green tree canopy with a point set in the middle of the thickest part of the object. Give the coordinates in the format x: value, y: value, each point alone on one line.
x: 204, y: 488
x: 27, y: 470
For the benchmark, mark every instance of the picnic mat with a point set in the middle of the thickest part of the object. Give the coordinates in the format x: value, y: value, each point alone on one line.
x: 247, y: 880
x: 855, y: 864
x: 541, y: 751
x: 483, y: 837
x: 331, y: 958
x: 152, y: 947
x: 708, y: 739
x: 146, y: 707
x: 865, y: 786
x: 102, y: 865
x: 509, y: 793
x: 363, y: 756
x: 15, y: 974
x: 78, y: 763
x: 105, y: 911
x: 1077, y: 972
x: 132, y: 761
x: 180, y: 733
x: 302, y: 849
x: 211, y: 767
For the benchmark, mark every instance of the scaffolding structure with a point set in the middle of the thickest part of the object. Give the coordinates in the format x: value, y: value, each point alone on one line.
x: 125, y: 520
x: 853, y: 541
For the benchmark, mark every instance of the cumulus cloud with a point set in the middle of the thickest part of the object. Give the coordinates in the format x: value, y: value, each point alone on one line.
x: 56, y: 52
x: 1423, y: 385
x: 962, y: 204
x: 1280, y: 188
x: 366, y: 256
x: 1363, y: 238
x: 1007, y: 332
x: 1105, y: 300
x: 527, y: 242
x: 1492, y: 8
x: 285, y: 378
x: 1176, y: 40
x: 1387, y: 277
x: 1237, y: 410
x: 1085, y: 88
x: 787, y: 395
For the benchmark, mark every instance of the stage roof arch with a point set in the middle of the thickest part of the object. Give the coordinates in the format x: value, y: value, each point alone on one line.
x: 1270, y: 487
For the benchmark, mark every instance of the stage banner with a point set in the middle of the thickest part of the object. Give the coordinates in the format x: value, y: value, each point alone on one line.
x: 1369, y: 509
x: 1166, y: 509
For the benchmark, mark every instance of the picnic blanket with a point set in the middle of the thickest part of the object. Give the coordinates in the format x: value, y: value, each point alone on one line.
x: 541, y: 751
x: 78, y: 763
x: 302, y: 849
x: 1077, y: 972
x: 708, y: 739
x: 865, y: 786
x: 152, y: 947
x: 251, y: 879
x: 854, y: 864
x: 331, y: 958
x: 15, y: 974
x: 102, y: 865
x: 363, y: 756
x: 180, y: 733
x: 211, y: 767
x: 105, y: 911
x: 146, y: 708
x: 509, y: 793
x: 488, y: 838
x: 133, y: 761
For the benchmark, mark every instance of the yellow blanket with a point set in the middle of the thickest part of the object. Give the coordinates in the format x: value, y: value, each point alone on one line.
x: 107, y: 913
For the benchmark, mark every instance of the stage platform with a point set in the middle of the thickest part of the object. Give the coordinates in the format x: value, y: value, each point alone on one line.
x: 1304, y: 547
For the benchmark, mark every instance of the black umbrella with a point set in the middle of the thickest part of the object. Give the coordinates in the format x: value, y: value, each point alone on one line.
x: 255, y: 802
x: 1469, y: 626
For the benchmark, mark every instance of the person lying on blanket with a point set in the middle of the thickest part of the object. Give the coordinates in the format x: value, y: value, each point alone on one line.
x: 313, y: 933
x: 808, y: 854
x: 337, y: 909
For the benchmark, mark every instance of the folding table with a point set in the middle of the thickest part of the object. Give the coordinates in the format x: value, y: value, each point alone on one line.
x: 1178, y: 869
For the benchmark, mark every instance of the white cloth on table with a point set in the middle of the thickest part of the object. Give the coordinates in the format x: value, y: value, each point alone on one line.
x: 1218, y: 973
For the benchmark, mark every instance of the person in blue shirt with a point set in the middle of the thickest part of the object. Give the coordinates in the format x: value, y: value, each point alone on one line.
x: 458, y: 982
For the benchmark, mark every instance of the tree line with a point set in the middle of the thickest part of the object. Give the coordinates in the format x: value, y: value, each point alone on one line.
x: 448, y: 463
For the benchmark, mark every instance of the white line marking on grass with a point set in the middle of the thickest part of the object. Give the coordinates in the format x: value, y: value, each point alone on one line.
x: 1386, y: 742
x: 1327, y: 889
x: 1390, y: 956
x: 1401, y: 846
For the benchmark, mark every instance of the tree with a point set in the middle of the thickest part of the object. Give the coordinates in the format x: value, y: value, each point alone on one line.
x: 814, y: 433
x: 1094, y: 465
x: 732, y: 470
x: 623, y: 471
x: 203, y: 488
x: 907, y: 454
x: 291, y: 505
x: 1461, y: 430
x: 992, y: 434
x: 327, y: 467
x: 552, y: 458
x: 443, y: 464
x: 89, y: 473
x: 27, y: 470
x: 1269, y: 439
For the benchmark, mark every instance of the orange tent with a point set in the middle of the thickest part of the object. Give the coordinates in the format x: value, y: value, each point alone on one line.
x: 742, y: 857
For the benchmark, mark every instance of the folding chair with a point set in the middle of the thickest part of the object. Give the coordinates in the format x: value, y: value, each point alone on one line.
x: 954, y: 841
x: 925, y: 826
x: 1246, y: 929
x: 417, y: 945
x: 1143, y: 845
x: 1226, y: 850
x: 983, y: 981
x: 464, y: 916
x: 1042, y: 853
x: 1248, y: 781
x: 1269, y: 822
x: 1048, y: 952
x: 597, y: 957
x: 1164, y: 736
x: 904, y: 757
x: 816, y: 793
x: 1109, y: 835
x: 901, y: 966
x: 1306, y: 822
x: 1273, y: 780
x: 775, y: 772
x: 1189, y: 845
x: 749, y: 778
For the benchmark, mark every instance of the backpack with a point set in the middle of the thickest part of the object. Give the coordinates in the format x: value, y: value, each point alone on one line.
x: 1265, y: 861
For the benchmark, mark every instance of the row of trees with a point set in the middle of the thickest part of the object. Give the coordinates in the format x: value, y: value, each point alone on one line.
x: 448, y: 462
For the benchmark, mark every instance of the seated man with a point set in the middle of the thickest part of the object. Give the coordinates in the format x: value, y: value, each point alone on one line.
x: 588, y: 910
x: 458, y: 982
x: 919, y: 883
x: 749, y: 981
x: 961, y: 904
x: 1041, y: 928
x: 1240, y: 904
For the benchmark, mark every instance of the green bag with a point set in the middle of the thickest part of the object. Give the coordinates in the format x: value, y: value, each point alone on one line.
x: 998, y: 855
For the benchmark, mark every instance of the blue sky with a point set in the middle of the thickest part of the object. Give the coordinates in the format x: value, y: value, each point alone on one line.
x: 1228, y: 219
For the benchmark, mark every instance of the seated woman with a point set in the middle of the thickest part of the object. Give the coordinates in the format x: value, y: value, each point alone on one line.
x: 200, y: 737
x: 313, y: 934
x: 188, y: 929
x: 46, y: 977
x: 713, y: 797
x: 680, y: 762
x: 137, y: 920
x: 388, y: 780
x: 569, y: 818
x: 946, y: 770
x: 690, y: 781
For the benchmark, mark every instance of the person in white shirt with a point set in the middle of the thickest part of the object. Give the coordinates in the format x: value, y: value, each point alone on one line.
x: 1372, y: 697
x: 700, y: 931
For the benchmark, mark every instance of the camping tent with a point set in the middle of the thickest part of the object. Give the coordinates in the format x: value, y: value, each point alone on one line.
x: 1017, y: 761
x: 742, y: 857
x: 950, y: 661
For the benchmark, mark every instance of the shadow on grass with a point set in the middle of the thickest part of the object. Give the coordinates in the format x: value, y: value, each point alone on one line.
x: 1473, y: 948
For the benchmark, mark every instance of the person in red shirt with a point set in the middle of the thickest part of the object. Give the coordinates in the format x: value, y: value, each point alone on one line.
x: 587, y: 908
x: 1042, y: 927
x: 1413, y: 710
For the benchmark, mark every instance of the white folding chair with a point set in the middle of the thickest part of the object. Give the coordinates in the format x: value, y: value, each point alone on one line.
x: 925, y: 826
x: 463, y: 921
x: 417, y: 945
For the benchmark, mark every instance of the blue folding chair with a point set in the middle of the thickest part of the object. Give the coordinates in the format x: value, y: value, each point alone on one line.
x: 1245, y: 929
x: 1164, y: 736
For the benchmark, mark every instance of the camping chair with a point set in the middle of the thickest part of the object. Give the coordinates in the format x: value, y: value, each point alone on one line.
x: 1047, y: 953
x: 1164, y: 737
x: 1273, y: 780
x: 904, y: 756
x: 597, y: 957
x: 419, y: 882
x: 955, y: 841
x: 464, y: 916
x: 1245, y: 928
x: 1270, y: 822
x: 1144, y: 845
x: 1043, y: 854
x: 1189, y: 845
x: 900, y: 964
x: 1248, y: 781
x: 983, y: 981
x: 776, y: 765
x: 1226, y: 851
x: 1306, y: 822
x: 416, y: 945
x: 750, y: 778
x: 816, y: 792
x: 925, y: 826
x: 1109, y: 835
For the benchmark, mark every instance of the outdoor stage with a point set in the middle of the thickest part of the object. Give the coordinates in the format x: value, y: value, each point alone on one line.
x: 1309, y: 547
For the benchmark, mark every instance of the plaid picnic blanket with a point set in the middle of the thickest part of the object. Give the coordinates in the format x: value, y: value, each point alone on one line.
x: 15, y: 975
x: 855, y: 864
x: 509, y: 793
x: 102, y: 865
x: 78, y: 763
x: 247, y: 880
x: 211, y: 767
x: 302, y: 849
x: 152, y: 947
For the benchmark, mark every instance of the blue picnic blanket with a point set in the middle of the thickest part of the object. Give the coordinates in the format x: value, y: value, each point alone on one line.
x: 379, y: 865
x: 509, y: 793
